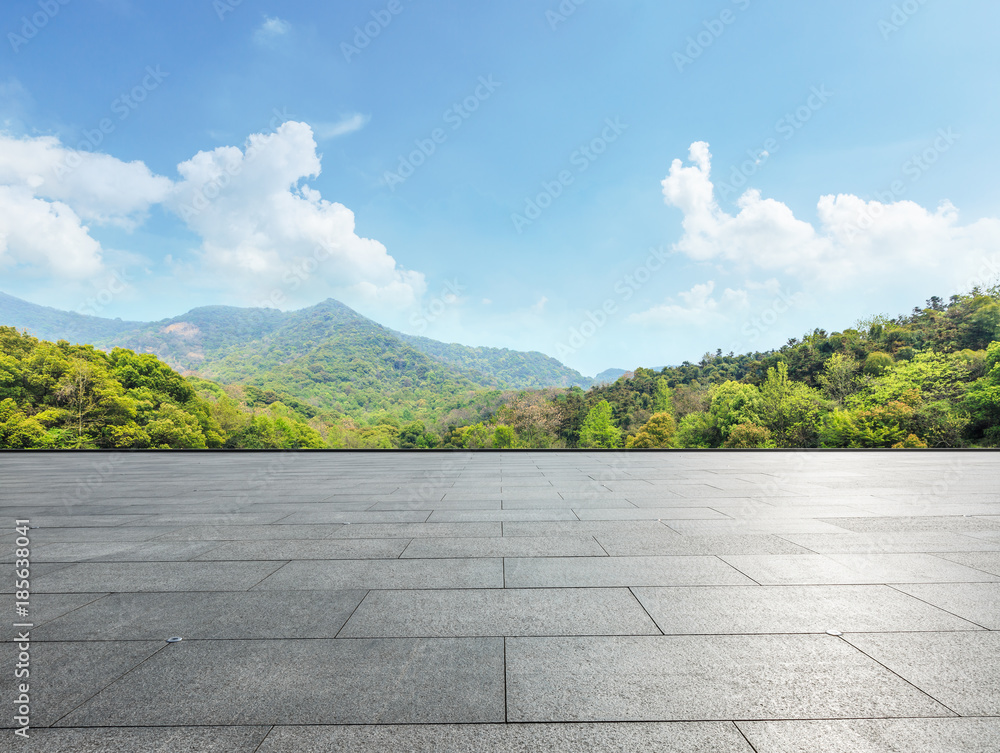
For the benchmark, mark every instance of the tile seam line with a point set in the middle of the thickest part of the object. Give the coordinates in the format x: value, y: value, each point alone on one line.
x: 267, y: 734
x: 108, y: 685
x: 908, y: 682
x: 533, y: 722
x: 893, y: 586
x: 744, y: 736
x: 336, y: 635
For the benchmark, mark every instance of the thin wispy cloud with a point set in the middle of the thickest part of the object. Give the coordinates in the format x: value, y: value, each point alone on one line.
x: 347, y: 124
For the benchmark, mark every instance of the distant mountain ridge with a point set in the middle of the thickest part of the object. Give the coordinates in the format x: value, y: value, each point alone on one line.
x: 325, y: 343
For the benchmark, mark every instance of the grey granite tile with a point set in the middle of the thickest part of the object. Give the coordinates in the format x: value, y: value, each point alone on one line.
x: 677, y: 737
x: 154, y: 576
x: 375, y: 516
x: 988, y: 562
x: 481, y: 612
x: 229, y: 615
x: 793, y: 569
x: 64, y: 675
x: 42, y: 608
x: 961, y: 670
x: 791, y: 609
x: 348, y: 574
x: 976, y: 602
x: 250, y: 533
x: 955, y: 523
x: 387, y: 681
x: 418, y: 530
x: 586, y: 528
x: 507, y: 546
x: 122, y: 551
x: 702, y: 678
x: 585, y: 572
x: 144, y: 740
x: 87, y: 535
x: 668, y: 542
x: 473, y: 516
x: 652, y: 513
x: 308, y: 549
x: 875, y: 736
x: 889, y: 542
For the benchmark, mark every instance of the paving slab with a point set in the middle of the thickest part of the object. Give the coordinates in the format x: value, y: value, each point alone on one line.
x: 988, y: 562
x: 668, y: 542
x: 214, y: 615
x: 153, y: 576
x: 503, y: 612
x: 792, y: 569
x: 792, y: 609
x: 418, y: 530
x: 306, y: 549
x: 975, y: 735
x: 585, y: 572
x: 976, y: 602
x: 677, y: 737
x: 413, y: 573
x: 64, y: 675
x: 122, y: 551
x: 372, y: 681
x: 702, y: 678
x: 144, y: 740
x: 960, y: 670
x: 507, y: 546
x: 888, y: 542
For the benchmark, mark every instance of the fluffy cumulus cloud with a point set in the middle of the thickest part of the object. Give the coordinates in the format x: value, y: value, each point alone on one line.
x: 855, y: 241
x: 49, y: 192
x: 268, y: 233
x: 271, y: 30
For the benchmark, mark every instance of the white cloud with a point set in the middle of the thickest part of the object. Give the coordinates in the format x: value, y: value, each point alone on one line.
x: 264, y: 230
x: 48, y: 192
x: 539, y: 306
x: 347, y: 124
x: 697, y: 307
x: 271, y: 30
x: 856, y: 242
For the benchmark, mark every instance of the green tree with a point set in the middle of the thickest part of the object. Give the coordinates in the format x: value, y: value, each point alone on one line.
x: 658, y: 432
x: 598, y: 428
x: 790, y: 410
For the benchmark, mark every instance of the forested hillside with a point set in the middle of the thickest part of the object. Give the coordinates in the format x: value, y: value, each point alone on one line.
x: 331, y: 378
x: 927, y: 379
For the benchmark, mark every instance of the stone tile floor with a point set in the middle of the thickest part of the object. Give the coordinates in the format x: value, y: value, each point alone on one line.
x: 530, y: 601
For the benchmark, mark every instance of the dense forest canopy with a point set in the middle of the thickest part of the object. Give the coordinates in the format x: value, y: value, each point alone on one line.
x: 927, y: 379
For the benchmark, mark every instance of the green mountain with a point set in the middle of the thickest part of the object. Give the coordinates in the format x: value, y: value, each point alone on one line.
x: 514, y: 368
x: 327, y: 356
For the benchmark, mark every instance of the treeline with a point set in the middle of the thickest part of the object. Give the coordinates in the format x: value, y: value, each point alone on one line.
x: 58, y: 395
x: 927, y: 379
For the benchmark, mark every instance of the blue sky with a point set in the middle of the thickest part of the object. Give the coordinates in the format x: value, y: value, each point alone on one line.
x: 613, y: 183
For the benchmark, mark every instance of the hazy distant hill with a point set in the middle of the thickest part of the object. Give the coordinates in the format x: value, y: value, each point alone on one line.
x: 52, y: 324
x: 516, y: 368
